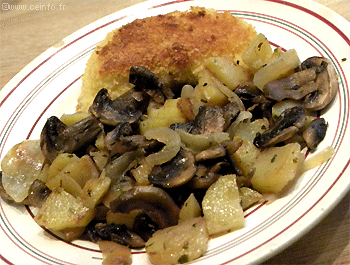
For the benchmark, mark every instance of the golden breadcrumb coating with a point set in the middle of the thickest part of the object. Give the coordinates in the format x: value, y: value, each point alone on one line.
x: 170, y: 45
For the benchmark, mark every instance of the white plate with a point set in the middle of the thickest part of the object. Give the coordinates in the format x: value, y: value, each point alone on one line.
x: 50, y: 86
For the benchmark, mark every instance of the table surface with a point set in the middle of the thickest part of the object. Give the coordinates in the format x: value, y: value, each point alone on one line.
x: 26, y: 34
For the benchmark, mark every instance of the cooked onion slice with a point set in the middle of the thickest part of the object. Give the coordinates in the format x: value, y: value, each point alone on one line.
x: 172, y: 143
x: 318, y: 159
x: 20, y: 167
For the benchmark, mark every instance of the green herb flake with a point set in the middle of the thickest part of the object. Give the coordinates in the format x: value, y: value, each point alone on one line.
x: 183, y: 259
x: 295, y: 160
x: 273, y: 158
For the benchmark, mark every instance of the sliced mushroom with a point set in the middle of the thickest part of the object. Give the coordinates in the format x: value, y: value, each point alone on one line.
x: 155, y: 202
x: 210, y: 119
x: 326, y: 79
x: 295, y: 86
x: 315, y: 83
x: 205, y: 176
x: 230, y: 112
x: 113, y: 139
x: 126, y: 108
x: 315, y: 133
x: 288, y: 124
x: 174, y: 173
x: 254, y: 100
x: 38, y: 193
x: 211, y: 153
x: 115, y: 232
x: 57, y: 137
x: 144, y: 226
x: 145, y: 80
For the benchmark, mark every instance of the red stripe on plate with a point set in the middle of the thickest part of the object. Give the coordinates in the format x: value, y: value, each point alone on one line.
x: 298, y: 219
x: 314, y: 14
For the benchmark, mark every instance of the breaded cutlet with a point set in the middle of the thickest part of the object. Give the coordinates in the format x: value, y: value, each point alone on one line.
x: 170, y: 45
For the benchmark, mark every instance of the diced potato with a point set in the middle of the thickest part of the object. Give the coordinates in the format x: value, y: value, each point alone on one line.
x: 245, y: 156
x: 190, y: 209
x: 249, y: 197
x: 67, y: 183
x: 44, y: 173
x: 277, y: 53
x: 227, y: 71
x: 94, y: 190
x: 61, y: 210
x: 207, y: 89
x: 81, y: 170
x: 60, y: 162
x: 114, y: 253
x: 257, y: 53
x: 275, y: 167
x: 70, y: 119
x: 178, y: 244
x: 247, y: 129
x: 221, y: 206
x: 164, y: 116
x: 276, y: 69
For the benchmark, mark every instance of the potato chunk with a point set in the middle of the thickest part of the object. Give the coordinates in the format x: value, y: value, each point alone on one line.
x: 275, y: 167
x: 276, y: 69
x: 60, y: 162
x: 257, y: 53
x: 178, y: 244
x: 221, y: 206
x: 61, y: 210
x: 190, y: 209
x: 227, y: 71
x: 245, y: 157
x: 249, y: 197
x: 95, y: 189
x: 81, y: 170
x: 164, y: 116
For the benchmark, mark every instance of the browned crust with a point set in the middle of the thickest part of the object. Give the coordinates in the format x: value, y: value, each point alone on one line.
x: 175, y: 42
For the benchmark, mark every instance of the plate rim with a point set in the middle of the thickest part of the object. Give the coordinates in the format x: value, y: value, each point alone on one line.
x: 73, y: 35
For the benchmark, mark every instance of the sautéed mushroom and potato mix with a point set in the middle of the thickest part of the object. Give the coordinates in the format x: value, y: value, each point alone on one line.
x: 165, y: 169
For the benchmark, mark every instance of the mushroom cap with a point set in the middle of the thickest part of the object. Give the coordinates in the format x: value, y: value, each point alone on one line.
x: 174, y: 173
x: 154, y: 201
x: 57, y: 137
x: 327, y: 81
x: 315, y: 83
x: 125, y: 108
x: 315, y: 133
x: 287, y: 124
